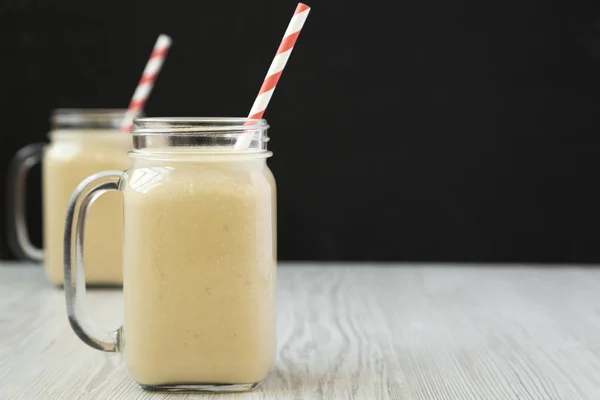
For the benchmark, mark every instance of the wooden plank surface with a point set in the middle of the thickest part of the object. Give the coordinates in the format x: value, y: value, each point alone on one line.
x: 349, y: 332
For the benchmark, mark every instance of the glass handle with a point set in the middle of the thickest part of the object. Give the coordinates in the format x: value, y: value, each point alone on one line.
x: 82, y: 198
x: 18, y: 235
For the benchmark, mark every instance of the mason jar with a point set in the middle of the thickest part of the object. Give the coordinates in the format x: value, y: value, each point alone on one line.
x: 82, y: 142
x: 199, y: 255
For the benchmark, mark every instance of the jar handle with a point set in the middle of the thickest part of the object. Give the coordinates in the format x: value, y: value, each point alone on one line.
x: 18, y: 236
x: 82, y: 198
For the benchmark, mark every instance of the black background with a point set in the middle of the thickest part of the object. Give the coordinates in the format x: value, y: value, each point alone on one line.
x: 432, y: 130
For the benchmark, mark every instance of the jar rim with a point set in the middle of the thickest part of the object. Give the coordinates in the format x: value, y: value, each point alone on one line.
x: 195, y: 125
x: 87, y: 118
x: 201, y: 134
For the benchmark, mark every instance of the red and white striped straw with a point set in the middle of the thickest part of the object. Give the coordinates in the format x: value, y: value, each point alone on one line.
x: 144, y: 87
x: 275, y: 70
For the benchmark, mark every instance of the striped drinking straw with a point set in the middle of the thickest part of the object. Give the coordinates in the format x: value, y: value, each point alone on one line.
x: 275, y: 70
x: 144, y: 87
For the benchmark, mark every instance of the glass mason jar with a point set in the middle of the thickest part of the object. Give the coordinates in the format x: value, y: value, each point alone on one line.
x: 199, y: 255
x: 82, y: 142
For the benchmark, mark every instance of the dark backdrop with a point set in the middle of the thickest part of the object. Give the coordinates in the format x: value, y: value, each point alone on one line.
x: 428, y: 130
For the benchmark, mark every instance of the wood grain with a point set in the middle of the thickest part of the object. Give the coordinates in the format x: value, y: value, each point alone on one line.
x: 349, y: 332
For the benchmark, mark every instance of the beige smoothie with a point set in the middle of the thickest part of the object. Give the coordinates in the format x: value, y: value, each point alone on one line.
x: 200, y: 270
x: 70, y: 158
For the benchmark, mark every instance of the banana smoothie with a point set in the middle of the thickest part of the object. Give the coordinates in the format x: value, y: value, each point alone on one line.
x: 71, y: 157
x: 200, y: 270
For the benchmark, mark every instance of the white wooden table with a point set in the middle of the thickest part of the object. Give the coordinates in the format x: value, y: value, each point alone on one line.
x: 349, y: 332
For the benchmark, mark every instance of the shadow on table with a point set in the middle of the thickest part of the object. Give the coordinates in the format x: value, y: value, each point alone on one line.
x: 295, y: 382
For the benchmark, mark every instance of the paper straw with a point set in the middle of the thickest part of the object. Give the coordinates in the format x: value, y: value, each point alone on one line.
x: 275, y: 70
x: 144, y: 87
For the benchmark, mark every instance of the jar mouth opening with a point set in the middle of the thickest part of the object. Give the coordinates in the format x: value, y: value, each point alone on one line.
x: 212, y: 134
x: 200, y: 126
x: 183, y: 154
x: 87, y: 118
